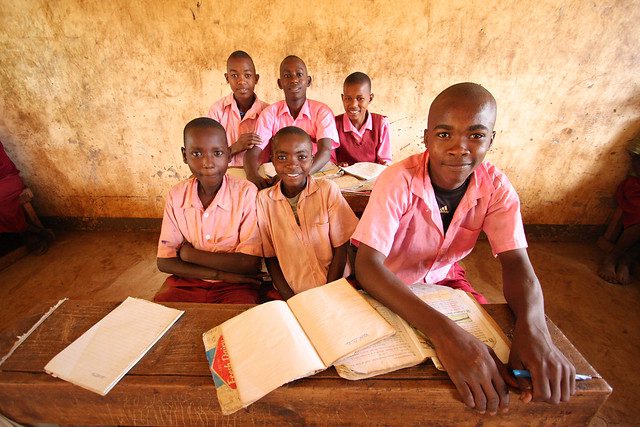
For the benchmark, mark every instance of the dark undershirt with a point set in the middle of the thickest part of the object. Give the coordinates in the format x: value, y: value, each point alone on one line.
x: 448, y: 201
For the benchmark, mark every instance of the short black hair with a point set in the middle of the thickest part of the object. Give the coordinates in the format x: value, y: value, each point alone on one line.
x: 357, y: 78
x: 202, y: 123
x: 290, y: 130
x: 240, y: 54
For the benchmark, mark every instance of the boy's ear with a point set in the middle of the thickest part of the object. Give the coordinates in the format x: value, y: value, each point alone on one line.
x: 226, y: 77
x: 279, y: 84
x: 370, y: 97
x: 425, y: 138
x: 184, y: 154
x: 308, y: 81
x: 257, y: 77
x: 493, y: 135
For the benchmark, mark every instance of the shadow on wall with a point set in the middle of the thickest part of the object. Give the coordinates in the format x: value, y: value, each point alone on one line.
x: 613, y: 164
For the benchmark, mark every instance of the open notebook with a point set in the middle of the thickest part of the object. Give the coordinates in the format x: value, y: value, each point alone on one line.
x: 105, y: 353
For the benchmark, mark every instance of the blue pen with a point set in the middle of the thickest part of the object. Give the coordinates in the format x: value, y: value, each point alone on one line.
x: 523, y: 373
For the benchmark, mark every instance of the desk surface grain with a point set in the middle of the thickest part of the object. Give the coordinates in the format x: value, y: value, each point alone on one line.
x: 172, y: 384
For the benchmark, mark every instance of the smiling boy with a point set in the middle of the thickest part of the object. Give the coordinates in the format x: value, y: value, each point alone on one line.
x: 238, y: 112
x: 305, y: 224
x: 364, y: 136
x: 209, y: 241
x: 424, y: 215
x: 313, y: 117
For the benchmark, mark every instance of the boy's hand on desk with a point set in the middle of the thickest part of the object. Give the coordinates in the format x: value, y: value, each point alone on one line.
x: 245, y: 142
x: 552, y: 375
x: 475, y: 370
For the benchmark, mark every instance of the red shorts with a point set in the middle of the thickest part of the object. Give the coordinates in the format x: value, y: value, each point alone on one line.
x: 180, y: 289
x: 459, y: 281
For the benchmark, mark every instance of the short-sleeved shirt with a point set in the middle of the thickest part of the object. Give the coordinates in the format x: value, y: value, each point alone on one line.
x: 315, y: 118
x: 227, y: 225
x: 225, y: 111
x: 305, y: 251
x: 352, y: 140
x: 402, y: 220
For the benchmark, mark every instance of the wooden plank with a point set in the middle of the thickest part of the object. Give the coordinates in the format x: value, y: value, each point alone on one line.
x: 172, y: 384
x: 36, y: 398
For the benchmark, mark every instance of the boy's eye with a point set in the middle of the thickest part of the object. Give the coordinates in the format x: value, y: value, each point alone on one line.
x: 218, y: 153
x: 247, y: 76
x: 442, y: 134
x: 235, y: 76
x: 196, y: 153
x: 360, y: 99
x: 477, y: 135
x: 302, y: 157
x: 282, y: 158
x: 299, y: 74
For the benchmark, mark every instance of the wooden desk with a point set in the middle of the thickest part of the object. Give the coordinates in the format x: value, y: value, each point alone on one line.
x: 172, y: 384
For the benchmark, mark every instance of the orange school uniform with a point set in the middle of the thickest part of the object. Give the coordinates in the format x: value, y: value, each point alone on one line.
x: 304, y: 251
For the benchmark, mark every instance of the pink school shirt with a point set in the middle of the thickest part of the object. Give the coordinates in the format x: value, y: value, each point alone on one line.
x: 384, y: 151
x: 227, y: 225
x: 315, y: 118
x: 225, y: 111
x: 305, y: 251
x: 402, y: 220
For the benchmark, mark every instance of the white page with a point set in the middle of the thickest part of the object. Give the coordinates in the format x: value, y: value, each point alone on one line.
x: 267, y: 348
x: 338, y: 320
x: 105, y: 353
x: 364, y: 170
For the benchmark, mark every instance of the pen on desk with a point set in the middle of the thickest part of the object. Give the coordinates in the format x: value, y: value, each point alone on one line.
x: 523, y: 373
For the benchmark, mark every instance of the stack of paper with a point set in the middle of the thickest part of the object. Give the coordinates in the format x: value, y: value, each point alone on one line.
x: 105, y: 353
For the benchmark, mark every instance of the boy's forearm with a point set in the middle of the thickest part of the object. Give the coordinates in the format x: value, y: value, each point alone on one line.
x: 385, y: 286
x: 322, y: 156
x: 338, y: 263
x: 521, y: 288
x: 184, y: 269
x: 233, y: 262
x: 278, y: 279
x: 252, y: 162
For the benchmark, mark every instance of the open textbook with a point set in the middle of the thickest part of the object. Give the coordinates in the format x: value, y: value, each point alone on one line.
x: 408, y: 347
x: 105, y: 353
x: 274, y: 343
x: 364, y: 170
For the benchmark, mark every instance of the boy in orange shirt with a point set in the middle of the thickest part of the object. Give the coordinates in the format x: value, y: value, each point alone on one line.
x: 304, y: 222
x: 209, y: 241
x: 238, y: 112
x: 364, y: 136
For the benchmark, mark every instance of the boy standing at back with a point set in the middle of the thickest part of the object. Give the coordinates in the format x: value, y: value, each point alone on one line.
x: 209, y: 241
x: 305, y: 223
x: 238, y: 112
x: 313, y: 117
x: 424, y: 215
x: 364, y: 136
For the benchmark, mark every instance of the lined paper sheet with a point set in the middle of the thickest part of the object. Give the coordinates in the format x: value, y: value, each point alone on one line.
x: 105, y: 353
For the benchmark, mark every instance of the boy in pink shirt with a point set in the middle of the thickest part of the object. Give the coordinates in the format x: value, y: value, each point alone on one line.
x: 304, y: 222
x: 424, y: 215
x: 364, y: 136
x: 238, y: 112
x: 209, y: 242
x: 313, y: 117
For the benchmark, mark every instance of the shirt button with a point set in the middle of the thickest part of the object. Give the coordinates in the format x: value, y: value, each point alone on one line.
x: 206, y: 215
x: 208, y: 236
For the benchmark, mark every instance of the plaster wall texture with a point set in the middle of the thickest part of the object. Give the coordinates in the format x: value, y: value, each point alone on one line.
x: 94, y: 95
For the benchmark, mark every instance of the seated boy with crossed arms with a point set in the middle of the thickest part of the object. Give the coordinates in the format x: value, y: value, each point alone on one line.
x: 425, y: 214
x: 209, y: 241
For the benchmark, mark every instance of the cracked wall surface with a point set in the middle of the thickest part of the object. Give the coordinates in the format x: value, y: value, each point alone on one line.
x: 94, y: 95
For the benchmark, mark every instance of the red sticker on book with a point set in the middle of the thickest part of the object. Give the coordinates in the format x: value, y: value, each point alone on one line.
x: 222, y: 365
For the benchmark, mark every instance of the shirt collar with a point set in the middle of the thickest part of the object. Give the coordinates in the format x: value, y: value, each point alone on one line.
x: 275, y: 192
x: 349, y: 127
x: 252, y: 113
x: 221, y: 199
x: 304, y: 111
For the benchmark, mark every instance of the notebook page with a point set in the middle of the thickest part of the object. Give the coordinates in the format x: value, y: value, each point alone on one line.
x: 338, y: 320
x: 105, y: 353
x: 364, y: 170
x: 267, y: 348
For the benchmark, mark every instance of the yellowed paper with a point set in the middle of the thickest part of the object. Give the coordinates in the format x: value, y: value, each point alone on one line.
x: 338, y: 320
x: 105, y: 353
x: 364, y: 170
x: 222, y: 371
x: 267, y: 349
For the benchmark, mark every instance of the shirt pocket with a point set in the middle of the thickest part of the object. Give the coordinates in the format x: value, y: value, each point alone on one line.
x: 224, y: 243
x: 321, y: 242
